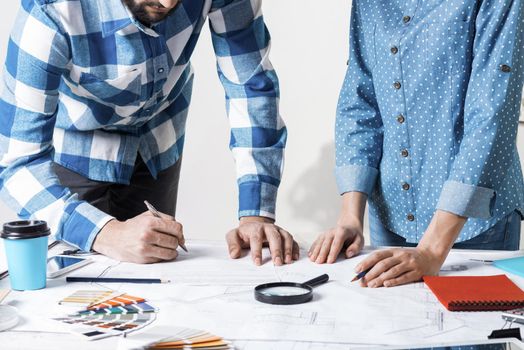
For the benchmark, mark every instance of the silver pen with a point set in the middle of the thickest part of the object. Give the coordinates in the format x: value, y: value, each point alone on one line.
x: 157, y: 214
x: 483, y: 261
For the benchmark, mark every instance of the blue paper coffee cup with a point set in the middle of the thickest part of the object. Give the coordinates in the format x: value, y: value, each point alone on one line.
x: 26, y: 250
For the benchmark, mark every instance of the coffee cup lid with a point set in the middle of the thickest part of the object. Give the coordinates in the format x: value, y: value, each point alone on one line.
x: 25, y: 229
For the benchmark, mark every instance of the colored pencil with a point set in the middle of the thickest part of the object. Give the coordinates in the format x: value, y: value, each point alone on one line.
x: 360, y: 275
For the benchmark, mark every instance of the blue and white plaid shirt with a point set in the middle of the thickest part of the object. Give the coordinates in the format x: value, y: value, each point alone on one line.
x: 89, y: 87
x: 428, y: 114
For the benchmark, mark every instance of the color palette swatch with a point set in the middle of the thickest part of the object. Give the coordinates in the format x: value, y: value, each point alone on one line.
x: 186, y: 338
x: 88, y: 297
x: 107, y: 314
x: 120, y: 300
x: 105, y: 325
x: 139, y: 308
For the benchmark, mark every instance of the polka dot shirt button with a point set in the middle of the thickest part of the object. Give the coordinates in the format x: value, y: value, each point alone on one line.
x: 505, y: 68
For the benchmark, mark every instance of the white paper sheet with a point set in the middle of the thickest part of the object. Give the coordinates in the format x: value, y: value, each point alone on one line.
x: 211, y: 292
x: 205, y: 264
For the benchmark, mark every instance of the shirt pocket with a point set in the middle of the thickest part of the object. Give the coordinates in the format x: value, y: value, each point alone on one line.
x: 124, y: 90
x: 449, y: 45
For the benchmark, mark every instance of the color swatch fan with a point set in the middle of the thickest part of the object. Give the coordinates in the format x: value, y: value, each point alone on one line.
x: 165, y: 337
x: 92, y: 327
x: 104, y: 317
x: 140, y: 308
x: 193, y: 339
x: 88, y: 297
x: 121, y: 300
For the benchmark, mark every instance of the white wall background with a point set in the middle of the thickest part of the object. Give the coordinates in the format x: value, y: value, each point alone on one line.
x: 309, y: 52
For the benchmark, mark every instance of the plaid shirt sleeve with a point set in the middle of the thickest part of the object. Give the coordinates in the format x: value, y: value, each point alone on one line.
x: 258, y: 135
x: 38, y: 54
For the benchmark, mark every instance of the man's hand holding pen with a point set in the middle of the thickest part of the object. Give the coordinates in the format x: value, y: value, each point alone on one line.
x: 145, y: 238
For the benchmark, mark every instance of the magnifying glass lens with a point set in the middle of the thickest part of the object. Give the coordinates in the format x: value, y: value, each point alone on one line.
x: 284, y: 291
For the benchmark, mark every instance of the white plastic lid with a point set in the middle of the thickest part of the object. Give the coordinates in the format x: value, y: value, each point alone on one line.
x: 8, y: 317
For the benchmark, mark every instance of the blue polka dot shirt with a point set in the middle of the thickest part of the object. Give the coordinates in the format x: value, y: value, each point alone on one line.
x: 428, y: 113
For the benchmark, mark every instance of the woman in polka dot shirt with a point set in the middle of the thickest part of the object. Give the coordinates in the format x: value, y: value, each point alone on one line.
x: 426, y: 132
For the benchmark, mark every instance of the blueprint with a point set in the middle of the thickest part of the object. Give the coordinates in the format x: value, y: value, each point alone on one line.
x: 216, y: 294
x: 209, y: 291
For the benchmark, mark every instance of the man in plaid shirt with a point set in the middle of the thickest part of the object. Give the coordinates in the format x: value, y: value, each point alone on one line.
x: 93, y: 112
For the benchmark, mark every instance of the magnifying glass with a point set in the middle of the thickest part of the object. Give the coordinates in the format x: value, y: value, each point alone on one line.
x: 288, y: 293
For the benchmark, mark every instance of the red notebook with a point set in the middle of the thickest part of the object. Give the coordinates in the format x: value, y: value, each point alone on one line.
x: 476, y: 293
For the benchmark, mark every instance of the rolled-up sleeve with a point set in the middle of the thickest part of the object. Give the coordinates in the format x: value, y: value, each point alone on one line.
x: 37, y: 55
x: 491, y: 114
x: 358, y: 127
x: 258, y: 134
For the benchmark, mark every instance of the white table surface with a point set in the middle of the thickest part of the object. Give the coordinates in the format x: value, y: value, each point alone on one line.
x: 191, y: 299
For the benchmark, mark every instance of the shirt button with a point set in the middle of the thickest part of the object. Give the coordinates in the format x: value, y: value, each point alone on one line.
x: 505, y: 68
x: 394, y: 50
x: 406, y: 186
x: 411, y: 217
x: 160, y: 70
x: 401, y: 119
x: 397, y: 85
x: 404, y: 153
x: 406, y: 19
x: 148, y: 111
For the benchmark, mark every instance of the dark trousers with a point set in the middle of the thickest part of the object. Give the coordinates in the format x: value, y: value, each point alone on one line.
x: 505, y: 235
x: 127, y: 201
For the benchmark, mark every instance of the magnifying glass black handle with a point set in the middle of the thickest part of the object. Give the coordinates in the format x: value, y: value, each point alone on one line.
x: 318, y: 280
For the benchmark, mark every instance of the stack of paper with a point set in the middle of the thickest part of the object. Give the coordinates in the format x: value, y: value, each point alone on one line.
x: 118, y: 314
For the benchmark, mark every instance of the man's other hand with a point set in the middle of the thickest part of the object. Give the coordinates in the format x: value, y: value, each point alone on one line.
x: 254, y: 233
